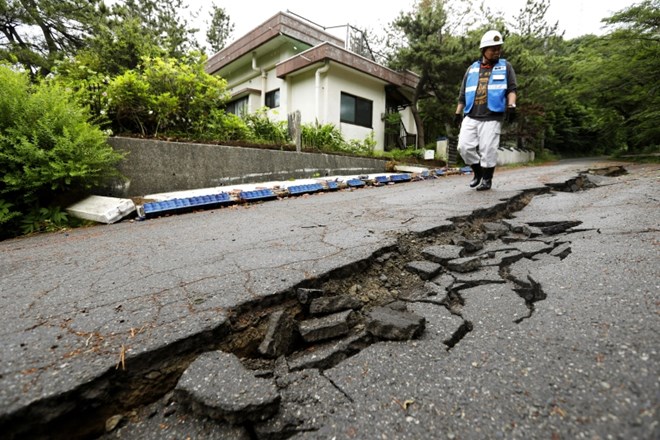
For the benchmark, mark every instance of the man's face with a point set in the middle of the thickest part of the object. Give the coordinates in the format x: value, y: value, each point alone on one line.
x: 492, y: 54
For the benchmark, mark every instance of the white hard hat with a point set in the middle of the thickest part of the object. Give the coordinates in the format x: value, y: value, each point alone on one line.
x: 491, y: 38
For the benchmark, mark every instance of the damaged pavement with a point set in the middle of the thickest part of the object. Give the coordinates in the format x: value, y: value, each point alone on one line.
x: 417, y: 311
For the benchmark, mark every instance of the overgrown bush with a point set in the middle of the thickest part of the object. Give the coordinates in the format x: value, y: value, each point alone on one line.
x: 264, y: 130
x: 327, y: 137
x: 324, y: 137
x: 226, y: 126
x: 402, y: 155
x: 47, y: 149
x: 165, y: 95
x: 364, y: 147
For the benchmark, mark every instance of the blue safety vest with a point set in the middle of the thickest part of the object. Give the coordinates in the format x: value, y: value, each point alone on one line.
x: 497, y: 85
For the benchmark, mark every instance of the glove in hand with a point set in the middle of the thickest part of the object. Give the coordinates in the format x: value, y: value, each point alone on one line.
x: 510, y: 115
x: 458, y: 119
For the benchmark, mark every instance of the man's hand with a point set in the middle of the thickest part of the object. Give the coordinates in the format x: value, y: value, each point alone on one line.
x: 458, y: 119
x: 510, y: 115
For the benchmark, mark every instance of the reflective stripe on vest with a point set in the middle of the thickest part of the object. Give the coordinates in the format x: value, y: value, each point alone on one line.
x: 497, y: 85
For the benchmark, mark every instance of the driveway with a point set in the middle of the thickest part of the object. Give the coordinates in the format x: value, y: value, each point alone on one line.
x: 553, y: 335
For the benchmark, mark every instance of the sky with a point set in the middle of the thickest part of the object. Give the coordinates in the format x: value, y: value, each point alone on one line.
x: 575, y: 17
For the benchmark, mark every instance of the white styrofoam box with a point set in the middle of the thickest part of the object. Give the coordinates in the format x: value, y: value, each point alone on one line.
x: 102, y: 209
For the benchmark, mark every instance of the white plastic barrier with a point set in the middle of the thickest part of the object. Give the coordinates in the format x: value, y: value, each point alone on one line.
x: 102, y: 209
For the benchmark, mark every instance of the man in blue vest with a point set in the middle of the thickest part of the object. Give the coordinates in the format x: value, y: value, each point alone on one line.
x: 487, y: 97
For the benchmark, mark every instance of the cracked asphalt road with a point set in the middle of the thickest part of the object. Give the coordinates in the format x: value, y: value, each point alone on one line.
x: 84, y: 309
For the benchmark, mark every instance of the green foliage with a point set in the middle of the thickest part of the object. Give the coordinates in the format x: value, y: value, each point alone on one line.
x: 44, y: 220
x: 47, y: 146
x: 165, y: 96
x: 364, y: 147
x: 219, y: 29
x: 6, y: 212
x: 264, y: 130
x: 400, y: 155
x: 226, y: 126
x: 424, y: 31
x: 327, y: 137
x: 37, y: 33
x: 324, y: 137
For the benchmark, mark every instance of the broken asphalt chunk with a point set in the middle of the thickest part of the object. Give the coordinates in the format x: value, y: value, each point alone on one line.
x: 332, y: 304
x: 531, y: 248
x: 442, y: 253
x: 218, y: 386
x: 552, y: 228
x: 494, y: 230
x: 444, y: 283
x: 278, y: 335
x: 497, y: 258
x: 329, y: 354
x: 387, y: 323
x: 326, y: 327
x: 305, y: 296
x: 466, y: 264
x: 470, y: 246
x: 425, y: 269
x: 487, y: 275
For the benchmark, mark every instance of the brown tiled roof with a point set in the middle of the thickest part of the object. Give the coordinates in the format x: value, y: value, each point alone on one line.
x: 325, y: 46
x: 331, y: 52
x: 280, y: 23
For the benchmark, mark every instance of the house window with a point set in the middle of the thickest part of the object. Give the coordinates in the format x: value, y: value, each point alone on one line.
x: 356, y: 110
x: 273, y: 98
x: 238, y: 107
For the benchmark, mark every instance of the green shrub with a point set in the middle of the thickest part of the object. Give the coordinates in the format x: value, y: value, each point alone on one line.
x: 226, y: 126
x: 80, y: 75
x: 44, y: 220
x: 166, y: 95
x: 401, y: 155
x: 262, y: 129
x: 47, y: 147
x: 324, y: 137
x: 364, y: 147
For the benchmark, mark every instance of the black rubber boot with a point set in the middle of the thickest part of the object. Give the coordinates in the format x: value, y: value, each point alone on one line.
x: 487, y: 180
x: 478, y: 174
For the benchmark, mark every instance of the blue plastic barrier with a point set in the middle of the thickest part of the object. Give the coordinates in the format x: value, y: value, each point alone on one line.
x: 332, y: 186
x: 305, y: 189
x: 260, y: 194
x: 400, y: 178
x: 355, y: 183
x: 175, y: 206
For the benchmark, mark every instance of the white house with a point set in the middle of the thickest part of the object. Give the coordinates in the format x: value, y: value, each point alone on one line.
x: 288, y: 64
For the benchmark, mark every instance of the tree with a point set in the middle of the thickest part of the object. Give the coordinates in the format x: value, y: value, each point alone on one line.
x: 609, y: 86
x: 423, y: 33
x: 531, y: 45
x: 631, y: 86
x: 37, y: 33
x: 220, y: 28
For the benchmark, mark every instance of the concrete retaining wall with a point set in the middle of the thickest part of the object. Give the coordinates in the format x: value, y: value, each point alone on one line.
x: 508, y: 155
x: 161, y: 166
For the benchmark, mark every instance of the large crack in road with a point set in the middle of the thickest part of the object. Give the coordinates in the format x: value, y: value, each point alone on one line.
x: 315, y: 326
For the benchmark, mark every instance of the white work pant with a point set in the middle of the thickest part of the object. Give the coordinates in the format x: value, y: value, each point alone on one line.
x: 484, y: 135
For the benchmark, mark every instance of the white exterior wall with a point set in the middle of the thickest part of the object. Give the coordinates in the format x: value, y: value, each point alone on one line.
x: 303, y: 95
x: 409, y: 121
x: 317, y: 102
